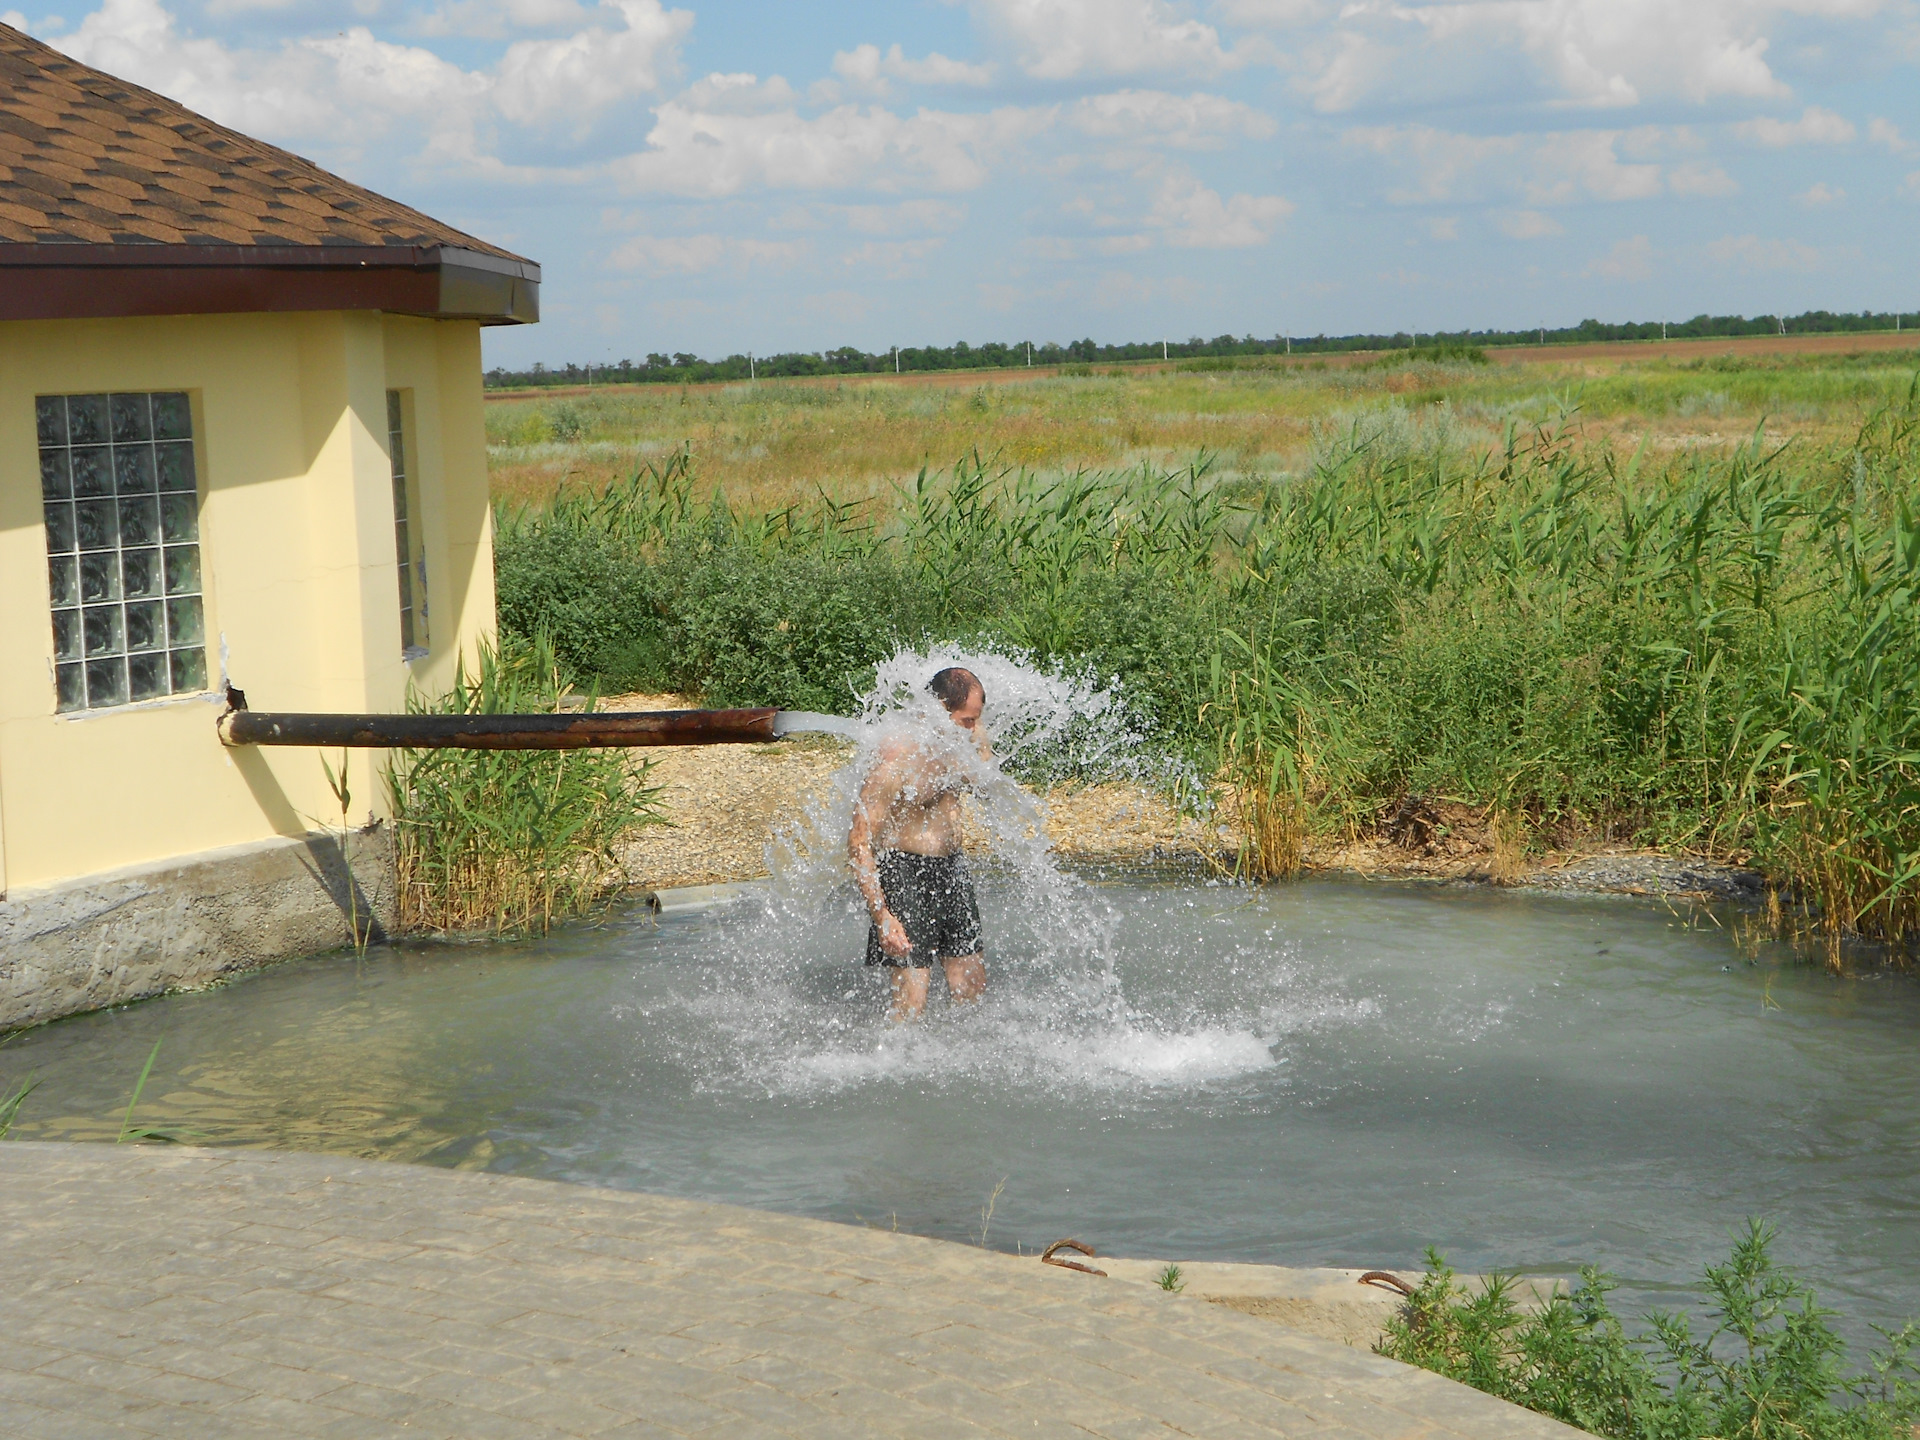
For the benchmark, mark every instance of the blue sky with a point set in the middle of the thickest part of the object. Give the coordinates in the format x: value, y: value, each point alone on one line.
x: 729, y: 175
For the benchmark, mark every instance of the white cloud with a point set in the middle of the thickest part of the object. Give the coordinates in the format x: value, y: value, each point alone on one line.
x: 1750, y: 252
x: 495, y: 19
x: 1610, y: 52
x: 1341, y: 70
x: 348, y: 89
x: 1886, y: 133
x: 1581, y: 163
x: 1528, y: 225
x: 1445, y: 165
x: 737, y: 94
x: 1820, y: 195
x: 693, y: 254
x: 591, y: 68
x: 1554, y: 168
x: 1583, y: 52
x: 867, y: 69
x: 893, y: 259
x: 1627, y: 260
x: 1696, y: 179
x: 712, y: 153
x: 1186, y: 121
x: 1445, y: 227
x: 1273, y: 12
x: 1814, y: 127
x: 1067, y: 39
x: 1191, y: 215
x: 908, y: 217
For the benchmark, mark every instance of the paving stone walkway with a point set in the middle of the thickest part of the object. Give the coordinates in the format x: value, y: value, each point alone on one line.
x: 147, y: 1290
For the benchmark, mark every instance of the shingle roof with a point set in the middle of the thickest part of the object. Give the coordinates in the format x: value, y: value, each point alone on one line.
x: 88, y: 159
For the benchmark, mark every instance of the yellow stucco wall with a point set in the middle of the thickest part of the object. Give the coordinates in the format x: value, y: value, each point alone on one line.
x: 300, y: 576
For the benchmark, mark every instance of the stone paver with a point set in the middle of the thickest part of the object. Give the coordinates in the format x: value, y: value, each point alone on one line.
x: 158, y: 1291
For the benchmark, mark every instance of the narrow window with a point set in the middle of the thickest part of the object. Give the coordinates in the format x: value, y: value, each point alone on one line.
x: 413, y: 564
x: 123, y: 547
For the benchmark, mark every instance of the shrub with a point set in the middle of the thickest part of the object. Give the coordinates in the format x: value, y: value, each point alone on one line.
x: 595, y: 602
x: 1771, y: 1367
x: 784, y: 628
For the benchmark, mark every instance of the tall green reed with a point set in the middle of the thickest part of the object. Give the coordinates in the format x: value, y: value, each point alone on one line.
x: 511, y: 840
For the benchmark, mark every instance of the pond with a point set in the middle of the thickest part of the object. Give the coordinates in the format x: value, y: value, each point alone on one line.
x: 1321, y: 1072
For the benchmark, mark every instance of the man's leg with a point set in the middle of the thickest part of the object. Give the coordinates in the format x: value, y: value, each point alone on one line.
x: 909, y: 992
x: 966, y: 976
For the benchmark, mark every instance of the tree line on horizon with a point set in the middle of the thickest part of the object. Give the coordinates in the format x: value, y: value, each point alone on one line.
x: 684, y: 368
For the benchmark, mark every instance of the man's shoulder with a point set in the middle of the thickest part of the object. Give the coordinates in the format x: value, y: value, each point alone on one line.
x: 894, y: 747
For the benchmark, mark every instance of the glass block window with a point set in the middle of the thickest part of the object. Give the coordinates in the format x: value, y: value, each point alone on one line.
x: 413, y: 565
x: 123, y: 547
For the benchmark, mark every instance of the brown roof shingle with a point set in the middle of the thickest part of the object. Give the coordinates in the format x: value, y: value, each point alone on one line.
x: 86, y: 158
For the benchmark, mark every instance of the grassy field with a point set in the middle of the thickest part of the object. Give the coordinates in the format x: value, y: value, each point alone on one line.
x: 1660, y: 600
x: 780, y: 442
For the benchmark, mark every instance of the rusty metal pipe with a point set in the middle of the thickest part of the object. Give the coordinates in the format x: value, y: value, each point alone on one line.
x: 575, y: 731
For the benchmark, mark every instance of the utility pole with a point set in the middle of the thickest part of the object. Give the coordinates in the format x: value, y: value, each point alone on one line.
x: 896, y: 359
x: 1163, y: 350
x: 1029, y: 354
x: 752, y: 374
x: 1663, y: 329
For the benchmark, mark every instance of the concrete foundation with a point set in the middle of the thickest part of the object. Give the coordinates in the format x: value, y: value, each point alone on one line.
x: 126, y: 934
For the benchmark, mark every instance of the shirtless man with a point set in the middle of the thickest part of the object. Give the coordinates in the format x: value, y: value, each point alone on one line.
x: 905, y: 851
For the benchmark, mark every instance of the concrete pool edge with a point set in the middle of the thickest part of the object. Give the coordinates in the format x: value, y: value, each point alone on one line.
x: 173, y: 1291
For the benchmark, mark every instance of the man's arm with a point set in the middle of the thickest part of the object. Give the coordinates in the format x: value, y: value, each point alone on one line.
x: 876, y: 797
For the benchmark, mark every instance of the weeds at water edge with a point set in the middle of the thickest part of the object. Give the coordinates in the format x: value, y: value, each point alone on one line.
x: 1770, y: 1368
x: 10, y: 1104
x: 507, y: 840
x: 986, y: 1212
x: 130, y: 1131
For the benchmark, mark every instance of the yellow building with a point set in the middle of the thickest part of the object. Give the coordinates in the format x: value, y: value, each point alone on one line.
x: 240, y: 444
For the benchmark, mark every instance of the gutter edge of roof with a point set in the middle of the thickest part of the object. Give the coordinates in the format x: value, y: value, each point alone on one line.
x: 66, y: 254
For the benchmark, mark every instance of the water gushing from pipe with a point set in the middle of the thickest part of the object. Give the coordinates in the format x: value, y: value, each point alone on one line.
x: 796, y: 1010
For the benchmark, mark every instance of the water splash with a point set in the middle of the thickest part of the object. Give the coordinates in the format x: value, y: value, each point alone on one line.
x: 788, y: 1004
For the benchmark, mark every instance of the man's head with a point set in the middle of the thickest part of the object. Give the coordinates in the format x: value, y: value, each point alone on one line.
x: 962, y: 693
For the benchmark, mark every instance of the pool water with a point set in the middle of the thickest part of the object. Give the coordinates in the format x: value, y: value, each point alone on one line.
x: 1324, y: 1072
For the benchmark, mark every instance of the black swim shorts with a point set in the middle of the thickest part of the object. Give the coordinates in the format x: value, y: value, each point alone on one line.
x: 932, y: 896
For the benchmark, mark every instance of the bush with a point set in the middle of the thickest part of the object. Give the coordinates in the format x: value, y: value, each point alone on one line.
x: 1771, y: 1368
x: 785, y: 629
x: 596, y: 604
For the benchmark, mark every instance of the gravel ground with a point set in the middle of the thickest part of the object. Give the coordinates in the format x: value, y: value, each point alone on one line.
x: 724, y: 804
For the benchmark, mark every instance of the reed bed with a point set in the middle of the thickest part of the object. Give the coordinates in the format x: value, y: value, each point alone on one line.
x: 1709, y: 651
x: 511, y: 841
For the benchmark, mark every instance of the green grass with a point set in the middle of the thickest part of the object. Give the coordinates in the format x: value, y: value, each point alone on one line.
x: 1769, y: 1367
